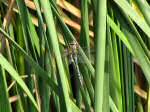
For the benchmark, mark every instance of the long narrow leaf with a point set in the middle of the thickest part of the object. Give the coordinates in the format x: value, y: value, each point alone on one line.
x: 100, y: 55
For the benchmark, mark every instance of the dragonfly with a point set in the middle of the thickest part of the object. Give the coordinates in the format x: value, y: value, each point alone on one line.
x: 72, y: 51
x: 74, y: 59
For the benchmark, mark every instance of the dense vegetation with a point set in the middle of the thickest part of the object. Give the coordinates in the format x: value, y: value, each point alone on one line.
x: 74, y: 56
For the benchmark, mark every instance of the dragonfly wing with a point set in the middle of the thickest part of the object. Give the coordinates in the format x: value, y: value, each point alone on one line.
x: 92, y: 56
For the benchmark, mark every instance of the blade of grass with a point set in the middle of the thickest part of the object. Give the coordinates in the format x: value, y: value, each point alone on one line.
x: 84, y: 35
x: 4, y: 97
x: 144, y: 8
x: 106, y: 91
x: 100, y: 53
x: 112, y: 105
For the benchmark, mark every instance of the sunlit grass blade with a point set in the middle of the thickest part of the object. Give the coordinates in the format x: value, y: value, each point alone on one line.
x: 106, y: 90
x: 112, y: 105
x: 144, y: 8
x: 100, y: 53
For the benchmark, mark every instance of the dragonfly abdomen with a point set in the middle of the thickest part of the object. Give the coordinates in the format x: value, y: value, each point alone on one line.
x: 74, y: 79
